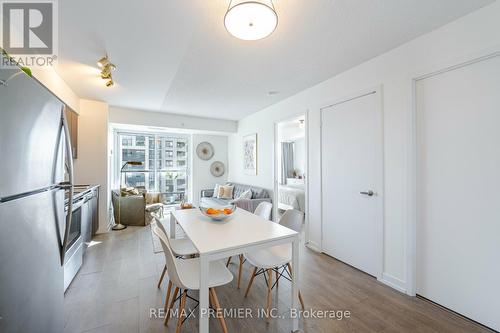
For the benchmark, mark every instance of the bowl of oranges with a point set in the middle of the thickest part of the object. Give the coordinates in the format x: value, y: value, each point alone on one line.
x: 218, y: 214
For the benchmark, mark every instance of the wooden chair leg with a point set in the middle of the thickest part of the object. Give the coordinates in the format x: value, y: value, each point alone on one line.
x: 167, y: 297
x: 182, y: 304
x: 269, y: 293
x: 211, y: 298
x: 167, y: 314
x: 277, y: 277
x: 218, y: 309
x: 239, y: 270
x: 251, y: 281
x: 228, y: 261
x: 162, y: 275
x: 300, y: 295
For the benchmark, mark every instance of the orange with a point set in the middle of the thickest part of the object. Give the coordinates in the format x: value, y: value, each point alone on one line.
x: 212, y: 211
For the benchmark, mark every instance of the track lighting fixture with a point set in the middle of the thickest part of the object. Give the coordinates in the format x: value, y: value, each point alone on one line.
x: 106, y: 68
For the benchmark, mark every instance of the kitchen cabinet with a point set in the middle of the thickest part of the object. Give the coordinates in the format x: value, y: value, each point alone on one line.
x: 72, y: 118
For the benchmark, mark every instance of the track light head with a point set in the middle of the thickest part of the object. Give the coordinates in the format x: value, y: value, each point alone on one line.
x: 101, y: 63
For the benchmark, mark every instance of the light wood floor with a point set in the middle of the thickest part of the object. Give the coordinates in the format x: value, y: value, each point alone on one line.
x: 116, y: 287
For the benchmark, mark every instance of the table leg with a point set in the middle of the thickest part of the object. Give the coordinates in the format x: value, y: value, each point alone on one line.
x: 204, y: 307
x: 172, y: 225
x: 295, y: 282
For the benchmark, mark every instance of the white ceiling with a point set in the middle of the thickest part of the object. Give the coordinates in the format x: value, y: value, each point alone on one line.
x: 175, y: 55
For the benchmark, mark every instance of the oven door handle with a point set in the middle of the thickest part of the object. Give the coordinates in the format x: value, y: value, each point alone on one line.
x: 79, y: 203
x: 67, y: 185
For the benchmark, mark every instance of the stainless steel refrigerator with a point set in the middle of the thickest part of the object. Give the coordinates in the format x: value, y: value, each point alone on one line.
x: 33, y: 224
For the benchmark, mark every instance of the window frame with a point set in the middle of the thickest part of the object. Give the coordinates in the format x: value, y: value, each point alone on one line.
x: 163, y: 137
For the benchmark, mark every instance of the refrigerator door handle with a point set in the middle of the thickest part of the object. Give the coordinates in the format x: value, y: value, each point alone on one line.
x: 64, y: 185
x: 68, y: 184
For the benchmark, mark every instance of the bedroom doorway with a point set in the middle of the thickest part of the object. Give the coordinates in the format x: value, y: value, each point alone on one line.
x: 290, y: 181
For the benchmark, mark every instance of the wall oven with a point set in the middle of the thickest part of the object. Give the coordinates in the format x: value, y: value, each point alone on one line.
x: 74, y: 250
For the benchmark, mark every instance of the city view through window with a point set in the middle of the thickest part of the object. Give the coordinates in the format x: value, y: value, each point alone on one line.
x: 164, y: 166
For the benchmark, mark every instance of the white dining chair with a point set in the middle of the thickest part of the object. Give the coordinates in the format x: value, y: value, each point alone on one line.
x: 184, y: 276
x: 276, y: 259
x: 264, y: 210
x: 181, y: 247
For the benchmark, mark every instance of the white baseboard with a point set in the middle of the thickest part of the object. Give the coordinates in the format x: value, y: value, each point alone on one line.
x: 393, y: 282
x: 313, y: 246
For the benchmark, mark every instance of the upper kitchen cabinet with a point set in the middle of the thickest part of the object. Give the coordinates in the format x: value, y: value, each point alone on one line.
x: 72, y: 118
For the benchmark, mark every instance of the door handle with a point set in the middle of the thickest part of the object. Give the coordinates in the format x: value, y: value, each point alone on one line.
x: 67, y: 185
x: 369, y: 193
x: 64, y: 185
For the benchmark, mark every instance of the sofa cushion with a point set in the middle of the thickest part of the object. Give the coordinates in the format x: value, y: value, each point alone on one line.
x: 257, y: 192
x: 239, y: 189
x: 245, y: 195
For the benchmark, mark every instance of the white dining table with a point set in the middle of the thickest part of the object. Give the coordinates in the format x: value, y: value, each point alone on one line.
x: 241, y: 233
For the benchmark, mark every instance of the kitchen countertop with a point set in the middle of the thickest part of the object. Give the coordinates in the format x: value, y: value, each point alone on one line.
x: 81, y: 190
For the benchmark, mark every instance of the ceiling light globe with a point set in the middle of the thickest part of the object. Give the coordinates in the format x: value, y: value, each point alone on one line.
x: 250, y: 20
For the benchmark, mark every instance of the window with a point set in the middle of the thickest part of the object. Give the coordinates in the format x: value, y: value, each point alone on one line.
x: 134, y: 155
x: 127, y: 140
x: 164, y: 166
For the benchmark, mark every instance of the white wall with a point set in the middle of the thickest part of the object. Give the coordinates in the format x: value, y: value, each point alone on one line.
x: 462, y: 39
x: 202, y: 178
x: 160, y: 119
x: 91, y: 166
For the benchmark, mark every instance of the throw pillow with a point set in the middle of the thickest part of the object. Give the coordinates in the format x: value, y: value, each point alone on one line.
x: 216, y: 191
x: 226, y: 192
x: 221, y: 191
x: 246, y: 194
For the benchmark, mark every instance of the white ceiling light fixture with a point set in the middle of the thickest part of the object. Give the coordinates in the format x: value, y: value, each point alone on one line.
x: 251, y: 20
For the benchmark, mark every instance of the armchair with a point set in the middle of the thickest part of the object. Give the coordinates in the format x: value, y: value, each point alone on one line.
x: 132, y: 208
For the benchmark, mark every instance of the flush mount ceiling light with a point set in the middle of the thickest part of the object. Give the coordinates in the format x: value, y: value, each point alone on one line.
x: 251, y: 20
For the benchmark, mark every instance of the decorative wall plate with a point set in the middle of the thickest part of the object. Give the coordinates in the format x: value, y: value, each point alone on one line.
x: 217, y: 169
x: 205, y: 151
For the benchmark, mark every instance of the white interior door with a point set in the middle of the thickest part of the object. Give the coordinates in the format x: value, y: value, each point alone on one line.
x: 458, y: 191
x: 351, y: 143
